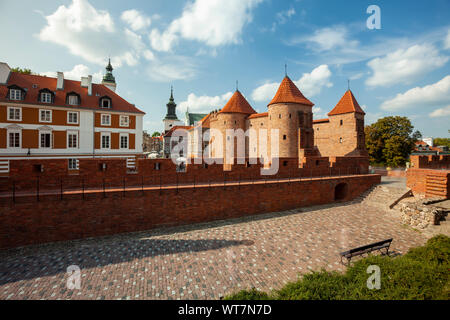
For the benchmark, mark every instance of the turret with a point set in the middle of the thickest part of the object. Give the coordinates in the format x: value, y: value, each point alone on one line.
x: 291, y: 113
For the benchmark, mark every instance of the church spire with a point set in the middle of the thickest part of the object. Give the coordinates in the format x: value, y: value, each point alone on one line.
x: 108, y: 79
x: 171, y: 107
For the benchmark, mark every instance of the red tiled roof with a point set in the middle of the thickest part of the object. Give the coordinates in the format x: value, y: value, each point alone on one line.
x: 347, y: 104
x: 27, y: 82
x: 258, y: 115
x: 204, y: 122
x: 421, y: 142
x: 321, y: 120
x: 169, y: 133
x: 238, y: 104
x: 289, y: 93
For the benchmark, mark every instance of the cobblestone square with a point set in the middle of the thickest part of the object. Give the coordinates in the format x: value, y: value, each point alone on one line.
x: 204, y: 261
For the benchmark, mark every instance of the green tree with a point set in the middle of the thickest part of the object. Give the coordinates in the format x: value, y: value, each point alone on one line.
x: 441, y: 142
x: 391, y: 140
x: 20, y: 70
x: 156, y: 134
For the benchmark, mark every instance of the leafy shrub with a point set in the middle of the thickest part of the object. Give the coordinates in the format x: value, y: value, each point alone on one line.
x: 423, y: 273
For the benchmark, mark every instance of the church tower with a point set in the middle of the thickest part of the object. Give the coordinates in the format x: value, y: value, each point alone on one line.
x: 171, y: 119
x: 108, y: 79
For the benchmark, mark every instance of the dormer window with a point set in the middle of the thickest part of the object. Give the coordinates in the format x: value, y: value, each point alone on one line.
x: 45, y: 96
x: 73, y: 99
x: 15, y: 94
x: 105, y: 102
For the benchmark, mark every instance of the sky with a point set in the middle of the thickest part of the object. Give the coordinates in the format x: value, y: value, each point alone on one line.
x: 202, y: 47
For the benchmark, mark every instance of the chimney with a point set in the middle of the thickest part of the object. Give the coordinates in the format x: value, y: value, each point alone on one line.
x: 60, y: 81
x: 86, y: 82
x: 4, y: 72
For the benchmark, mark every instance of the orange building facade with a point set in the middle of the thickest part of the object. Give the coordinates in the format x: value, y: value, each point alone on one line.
x: 53, y: 118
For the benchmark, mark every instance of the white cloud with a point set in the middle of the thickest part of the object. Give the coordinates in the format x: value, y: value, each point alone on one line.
x: 172, y: 68
x: 204, y: 104
x: 78, y: 71
x: 405, y: 66
x: 326, y: 39
x: 213, y: 22
x: 433, y: 95
x: 447, y: 41
x: 442, y: 112
x: 91, y: 34
x: 135, y: 19
x: 310, y: 84
x: 283, y: 16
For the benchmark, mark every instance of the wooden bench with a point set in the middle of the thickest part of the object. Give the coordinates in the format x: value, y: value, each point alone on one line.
x: 377, y: 246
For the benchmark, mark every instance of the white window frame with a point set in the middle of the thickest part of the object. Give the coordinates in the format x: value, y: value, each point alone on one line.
x: 103, y: 123
x: 40, y: 115
x: 41, y: 132
x: 73, y: 112
x: 77, y: 164
x: 127, y: 123
x: 72, y: 96
x: 76, y: 133
x: 20, y: 114
x: 20, y: 138
x: 105, y: 134
x: 13, y: 94
x: 109, y: 103
x: 120, y: 141
x: 48, y: 97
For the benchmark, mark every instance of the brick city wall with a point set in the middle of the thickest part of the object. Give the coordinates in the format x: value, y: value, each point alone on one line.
x: 51, y: 219
x: 429, y: 182
x: 430, y: 162
x: 25, y: 175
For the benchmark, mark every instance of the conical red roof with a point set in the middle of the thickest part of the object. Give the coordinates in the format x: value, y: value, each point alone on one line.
x: 289, y: 93
x: 238, y: 104
x: 347, y: 104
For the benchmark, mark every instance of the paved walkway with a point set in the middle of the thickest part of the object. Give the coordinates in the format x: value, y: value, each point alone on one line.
x: 201, y: 262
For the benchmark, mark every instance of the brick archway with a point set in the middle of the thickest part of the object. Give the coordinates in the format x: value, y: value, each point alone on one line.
x: 340, y: 191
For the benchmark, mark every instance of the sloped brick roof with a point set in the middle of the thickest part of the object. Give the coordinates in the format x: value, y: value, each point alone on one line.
x: 170, y: 132
x: 238, y: 104
x: 347, y: 104
x: 321, y: 120
x: 32, y: 84
x: 289, y: 93
x: 258, y: 115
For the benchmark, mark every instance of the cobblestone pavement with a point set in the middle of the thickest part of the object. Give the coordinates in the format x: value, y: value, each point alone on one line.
x: 205, y: 261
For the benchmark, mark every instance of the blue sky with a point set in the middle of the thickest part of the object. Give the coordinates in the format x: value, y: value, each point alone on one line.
x: 202, y: 47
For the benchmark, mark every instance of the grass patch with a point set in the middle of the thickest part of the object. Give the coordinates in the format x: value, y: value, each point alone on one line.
x: 422, y: 273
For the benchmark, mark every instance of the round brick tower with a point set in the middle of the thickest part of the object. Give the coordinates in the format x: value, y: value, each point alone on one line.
x: 291, y: 113
x: 232, y: 116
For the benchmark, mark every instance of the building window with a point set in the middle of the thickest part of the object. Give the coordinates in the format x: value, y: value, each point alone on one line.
x: 14, y: 139
x: 45, y: 115
x: 46, y: 140
x: 73, y: 100
x: 46, y: 97
x: 14, y: 114
x: 285, y: 163
x: 105, y: 141
x: 124, y: 121
x: 157, y: 166
x: 72, y: 117
x: 72, y: 140
x: 284, y: 137
x: 279, y: 116
x: 124, y: 141
x: 105, y: 103
x: 341, y: 122
x: 106, y: 119
x: 15, y: 94
x: 340, y: 140
x: 74, y: 164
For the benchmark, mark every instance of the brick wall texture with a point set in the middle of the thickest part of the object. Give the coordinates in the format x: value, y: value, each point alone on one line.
x: 51, y: 219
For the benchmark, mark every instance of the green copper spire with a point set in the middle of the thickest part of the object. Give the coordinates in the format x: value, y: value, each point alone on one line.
x: 109, y: 76
x: 171, y: 106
